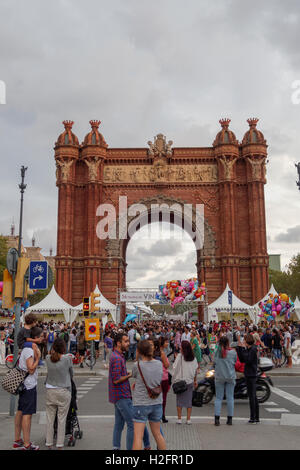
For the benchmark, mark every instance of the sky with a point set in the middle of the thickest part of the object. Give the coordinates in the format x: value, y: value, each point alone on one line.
x: 143, y: 68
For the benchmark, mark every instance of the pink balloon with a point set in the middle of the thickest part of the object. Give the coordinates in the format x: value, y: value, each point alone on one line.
x: 278, y: 308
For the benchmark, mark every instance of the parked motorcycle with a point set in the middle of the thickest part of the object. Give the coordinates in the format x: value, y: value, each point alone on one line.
x: 263, y: 382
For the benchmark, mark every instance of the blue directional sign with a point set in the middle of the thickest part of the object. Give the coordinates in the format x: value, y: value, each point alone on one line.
x: 230, y: 297
x: 38, y: 275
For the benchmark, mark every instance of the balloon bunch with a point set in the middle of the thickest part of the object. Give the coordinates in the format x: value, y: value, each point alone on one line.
x: 175, y: 292
x: 276, y: 305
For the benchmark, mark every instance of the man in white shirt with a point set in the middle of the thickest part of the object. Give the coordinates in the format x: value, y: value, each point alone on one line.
x: 186, y: 336
x: 28, y: 362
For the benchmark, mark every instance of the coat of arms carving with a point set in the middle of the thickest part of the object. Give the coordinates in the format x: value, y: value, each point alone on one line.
x: 160, y: 148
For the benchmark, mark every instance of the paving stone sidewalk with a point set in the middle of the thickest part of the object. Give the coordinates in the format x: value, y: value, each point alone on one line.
x: 97, y: 435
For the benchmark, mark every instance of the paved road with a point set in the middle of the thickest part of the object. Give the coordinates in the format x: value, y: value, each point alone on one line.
x: 93, y: 400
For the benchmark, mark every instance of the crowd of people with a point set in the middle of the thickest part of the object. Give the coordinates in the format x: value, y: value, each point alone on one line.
x: 153, y: 345
x: 165, y: 355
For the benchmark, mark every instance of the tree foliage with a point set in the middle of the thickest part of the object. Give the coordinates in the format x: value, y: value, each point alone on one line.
x: 288, y: 281
x: 3, y: 254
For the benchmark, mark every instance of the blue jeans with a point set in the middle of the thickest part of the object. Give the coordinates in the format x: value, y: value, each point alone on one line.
x: 228, y: 387
x: 132, y: 351
x: 124, y: 414
x: 152, y: 413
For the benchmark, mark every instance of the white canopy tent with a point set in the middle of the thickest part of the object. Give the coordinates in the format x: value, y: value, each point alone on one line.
x: 297, y: 307
x: 52, y: 304
x: 271, y: 291
x: 105, y: 306
x: 221, y: 305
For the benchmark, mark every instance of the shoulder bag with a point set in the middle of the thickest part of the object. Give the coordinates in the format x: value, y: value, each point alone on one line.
x: 152, y: 392
x: 181, y: 386
x: 13, y: 381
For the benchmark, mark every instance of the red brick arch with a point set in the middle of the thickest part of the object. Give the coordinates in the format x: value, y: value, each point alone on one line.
x: 228, y: 178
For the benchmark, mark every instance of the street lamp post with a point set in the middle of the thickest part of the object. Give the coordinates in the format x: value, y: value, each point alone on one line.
x: 22, y: 187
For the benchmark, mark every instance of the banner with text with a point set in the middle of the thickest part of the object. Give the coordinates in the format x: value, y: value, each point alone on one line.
x: 137, y: 296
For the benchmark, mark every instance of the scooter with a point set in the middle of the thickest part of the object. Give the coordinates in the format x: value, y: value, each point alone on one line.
x: 263, y: 383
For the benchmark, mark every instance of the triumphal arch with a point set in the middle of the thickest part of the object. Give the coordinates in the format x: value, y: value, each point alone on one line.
x: 227, y: 179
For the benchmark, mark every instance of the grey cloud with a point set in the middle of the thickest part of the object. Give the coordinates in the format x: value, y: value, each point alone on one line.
x: 292, y: 235
x: 143, y: 69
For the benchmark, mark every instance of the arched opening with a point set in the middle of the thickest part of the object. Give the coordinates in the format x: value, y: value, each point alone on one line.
x: 157, y: 253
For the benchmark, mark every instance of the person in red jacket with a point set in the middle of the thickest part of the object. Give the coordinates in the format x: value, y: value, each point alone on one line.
x: 239, y: 369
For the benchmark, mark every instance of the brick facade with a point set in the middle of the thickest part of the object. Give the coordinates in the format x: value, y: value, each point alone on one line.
x: 228, y: 178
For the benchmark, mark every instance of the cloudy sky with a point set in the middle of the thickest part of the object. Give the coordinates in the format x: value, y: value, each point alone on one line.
x: 145, y: 67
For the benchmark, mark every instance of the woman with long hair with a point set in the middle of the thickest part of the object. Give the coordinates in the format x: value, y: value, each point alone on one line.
x: 147, y: 399
x: 185, y: 368
x: 165, y: 385
x: 225, y: 377
x: 58, y: 391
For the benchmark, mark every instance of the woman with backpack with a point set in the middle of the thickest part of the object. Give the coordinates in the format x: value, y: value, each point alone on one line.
x: 51, y: 337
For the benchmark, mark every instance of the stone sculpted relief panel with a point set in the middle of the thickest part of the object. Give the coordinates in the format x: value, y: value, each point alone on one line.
x: 161, y: 172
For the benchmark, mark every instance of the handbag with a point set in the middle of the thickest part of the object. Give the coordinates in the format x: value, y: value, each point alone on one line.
x: 13, y: 381
x: 181, y: 385
x: 152, y: 392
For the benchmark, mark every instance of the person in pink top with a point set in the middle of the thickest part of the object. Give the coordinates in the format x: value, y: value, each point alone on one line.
x: 177, y: 342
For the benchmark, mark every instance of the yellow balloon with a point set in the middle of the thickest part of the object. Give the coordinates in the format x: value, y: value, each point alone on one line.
x: 284, y: 297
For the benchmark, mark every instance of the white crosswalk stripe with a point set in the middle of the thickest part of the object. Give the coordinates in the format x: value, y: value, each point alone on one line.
x: 277, y: 410
x: 286, y: 395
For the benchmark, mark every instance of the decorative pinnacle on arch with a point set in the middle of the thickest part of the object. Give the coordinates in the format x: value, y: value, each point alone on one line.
x: 252, y: 122
x: 68, y: 125
x: 95, y: 124
x: 225, y: 123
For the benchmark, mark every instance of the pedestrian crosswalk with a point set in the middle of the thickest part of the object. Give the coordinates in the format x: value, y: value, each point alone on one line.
x: 87, y: 386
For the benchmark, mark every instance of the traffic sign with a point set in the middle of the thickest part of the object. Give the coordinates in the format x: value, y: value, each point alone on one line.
x: 12, y: 261
x: 230, y: 297
x: 38, y: 275
x: 92, y: 329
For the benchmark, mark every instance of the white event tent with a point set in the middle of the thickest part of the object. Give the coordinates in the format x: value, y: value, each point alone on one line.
x: 297, y: 307
x: 52, y: 304
x: 221, y: 306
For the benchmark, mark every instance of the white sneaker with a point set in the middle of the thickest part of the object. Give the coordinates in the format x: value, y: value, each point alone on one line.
x: 188, y: 421
x: 179, y: 421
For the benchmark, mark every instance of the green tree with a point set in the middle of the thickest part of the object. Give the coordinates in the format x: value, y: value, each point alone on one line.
x: 3, y: 254
x: 288, y: 281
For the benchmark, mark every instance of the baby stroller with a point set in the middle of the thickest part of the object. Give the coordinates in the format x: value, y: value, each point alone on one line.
x: 73, y: 431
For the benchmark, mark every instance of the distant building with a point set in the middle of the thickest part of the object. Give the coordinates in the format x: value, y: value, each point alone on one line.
x: 274, y: 262
x: 33, y: 252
